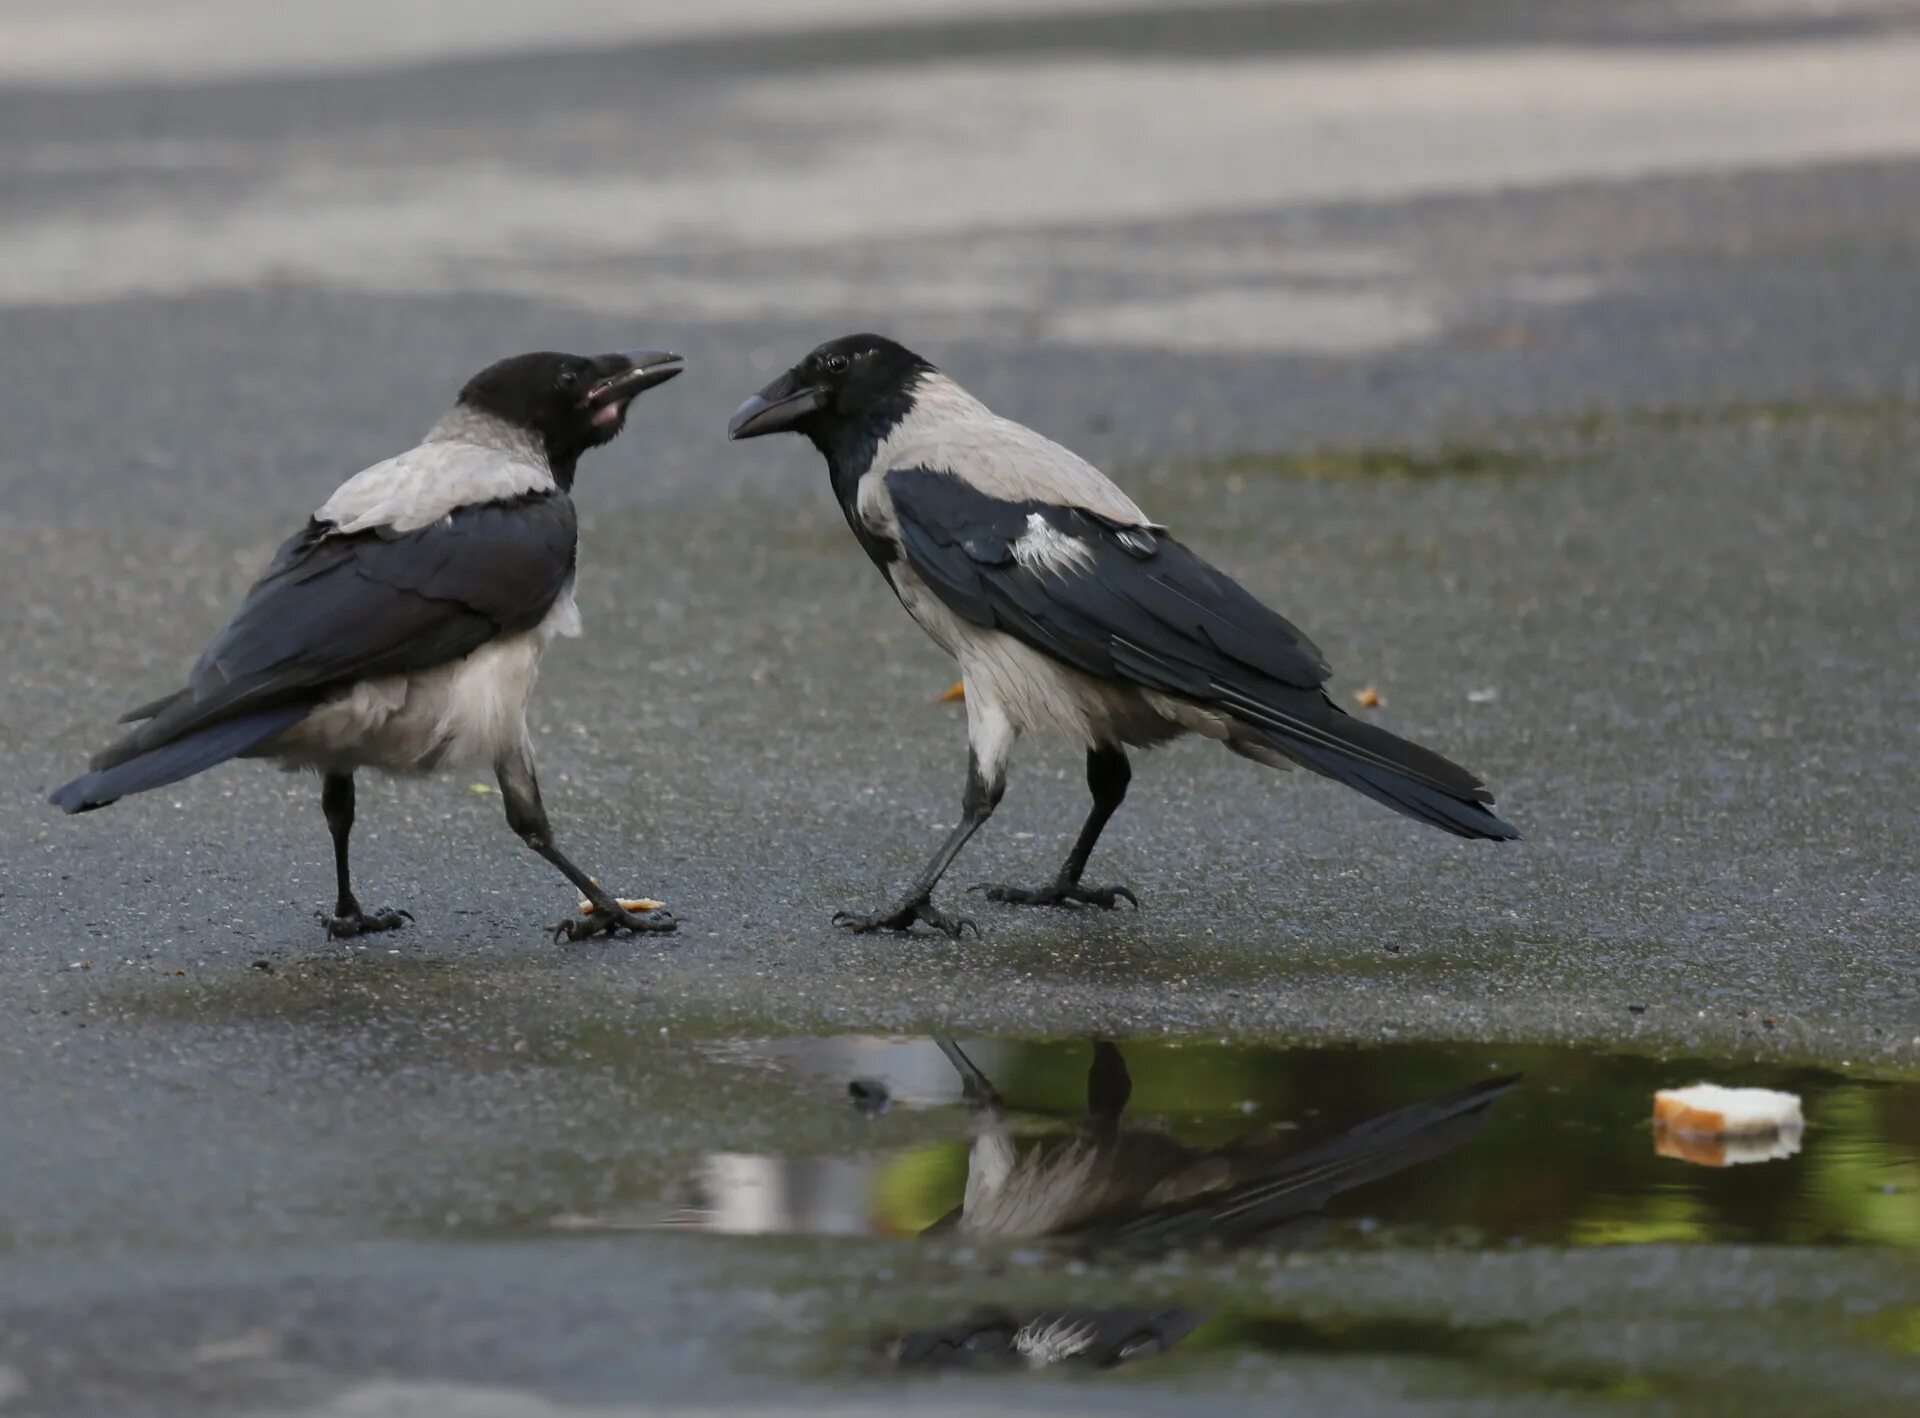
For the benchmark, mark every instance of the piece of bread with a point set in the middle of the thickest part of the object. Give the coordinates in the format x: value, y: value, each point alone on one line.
x: 1708, y: 1110
x: 627, y: 903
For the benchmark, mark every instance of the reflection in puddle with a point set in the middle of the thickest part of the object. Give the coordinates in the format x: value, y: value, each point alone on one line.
x: 745, y: 1194
x: 1170, y: 1144
x: 998, y: 1339
x: 1726, y: 1151
x: 1107, y: 1184
x: 1084, y: 1205
x: 1140, y: 1188
x: 1106, y: 1338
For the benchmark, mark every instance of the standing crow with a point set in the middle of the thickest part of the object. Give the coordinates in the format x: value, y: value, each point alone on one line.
x: 1067, y: 608
x: 402, y: 627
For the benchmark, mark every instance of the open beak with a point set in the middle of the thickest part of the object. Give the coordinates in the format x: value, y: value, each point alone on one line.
x: 639, y: 371
x: 776, y: 408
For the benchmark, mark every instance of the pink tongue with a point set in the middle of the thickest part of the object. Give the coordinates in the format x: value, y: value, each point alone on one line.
x: 609, y: 413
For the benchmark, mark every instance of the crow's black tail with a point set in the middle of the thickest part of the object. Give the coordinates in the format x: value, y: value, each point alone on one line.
x: 170, y: 762
x: 1315, y: 733
x: 1300, y: 1185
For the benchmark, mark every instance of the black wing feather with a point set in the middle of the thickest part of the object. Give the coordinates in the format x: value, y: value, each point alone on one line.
x: 332, y: 609
x: 1138, y: 607
x: 1143, y: 590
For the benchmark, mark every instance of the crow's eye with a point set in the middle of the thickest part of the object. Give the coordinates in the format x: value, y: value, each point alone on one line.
x: 835, y: 364
x: 565, y: 380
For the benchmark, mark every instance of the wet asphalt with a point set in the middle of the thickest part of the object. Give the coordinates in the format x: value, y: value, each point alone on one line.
x: 1624, y: 521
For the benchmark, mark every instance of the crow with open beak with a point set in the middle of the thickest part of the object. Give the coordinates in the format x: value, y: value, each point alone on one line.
x: 402, y: 628
x: 1067, y: 608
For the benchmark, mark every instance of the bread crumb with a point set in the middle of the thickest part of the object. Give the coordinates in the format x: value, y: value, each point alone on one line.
x: 1708, y: 1110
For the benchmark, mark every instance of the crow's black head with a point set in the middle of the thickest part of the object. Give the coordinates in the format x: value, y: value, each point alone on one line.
x: 573, y: 402
x: 856, y: 381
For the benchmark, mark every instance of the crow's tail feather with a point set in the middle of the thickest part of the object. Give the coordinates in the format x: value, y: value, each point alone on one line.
x: 1420, y: 801
x: 1293, y: 1194
x: 170, y: 762
x: 1410, y: 779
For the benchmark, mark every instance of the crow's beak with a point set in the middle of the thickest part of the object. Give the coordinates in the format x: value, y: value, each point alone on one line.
x: 779, y: 406
x: 637, y: 372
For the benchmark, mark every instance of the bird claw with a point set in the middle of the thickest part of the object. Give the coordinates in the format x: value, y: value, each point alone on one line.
x: 1059, y: 893
x: 601, y: 921
x: 358, y: 923
x: 902, y: 917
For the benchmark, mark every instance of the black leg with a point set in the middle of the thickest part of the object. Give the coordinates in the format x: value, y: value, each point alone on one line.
x: 975, y: 1088
x: 347, y: 920
x: 1109, y: 1086
x: 527, y: 816
x: 336, y: 801
x: 976, y: 806
x: 1108, y: 774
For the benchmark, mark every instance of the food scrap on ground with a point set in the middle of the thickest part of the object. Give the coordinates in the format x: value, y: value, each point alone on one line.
x: 1368, y: 698
x: 627, y: 903
x: 1708, y: 1110
x: 1713, y: 1126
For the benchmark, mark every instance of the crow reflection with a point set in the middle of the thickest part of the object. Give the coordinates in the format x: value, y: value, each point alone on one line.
x: 1112, y: 1186
x: 1089, y: 1338
x: 1133, y: 1190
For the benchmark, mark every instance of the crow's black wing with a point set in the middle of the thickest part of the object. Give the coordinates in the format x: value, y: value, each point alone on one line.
x: 333, y: 609
x: 1117, y: 602
x: 1131, y: 605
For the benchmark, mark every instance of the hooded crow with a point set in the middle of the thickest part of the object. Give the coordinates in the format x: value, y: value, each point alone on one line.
x: 402, y: 628
x: 1066, y: 607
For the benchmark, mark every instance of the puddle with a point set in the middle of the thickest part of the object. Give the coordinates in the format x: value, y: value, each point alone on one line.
x: 1103, y: 1135
x: 1163, y: 1166
x: 1353, y: 1228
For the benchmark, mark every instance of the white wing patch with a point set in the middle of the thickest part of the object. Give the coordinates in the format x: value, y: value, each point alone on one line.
x: 1055, y: 1342
x: 875, y: 504
x: 1043, y: 548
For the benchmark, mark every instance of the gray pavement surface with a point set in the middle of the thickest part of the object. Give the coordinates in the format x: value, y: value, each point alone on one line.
x: 1580, y: 418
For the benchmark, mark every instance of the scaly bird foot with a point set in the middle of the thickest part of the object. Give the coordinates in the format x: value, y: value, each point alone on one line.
x: 1059, y: 893
x: 356, y: 922
x: 643, y: 916
x: 902, y: 916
